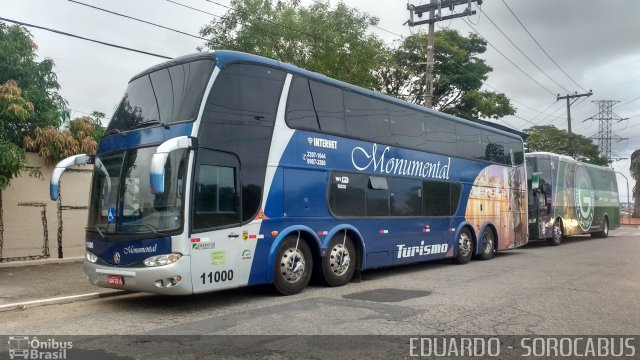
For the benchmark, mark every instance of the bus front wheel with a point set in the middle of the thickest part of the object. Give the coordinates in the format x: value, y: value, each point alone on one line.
x: 465, y: 247
x: 293, y: 266
x: 339, y: 263
x: 556, y: 236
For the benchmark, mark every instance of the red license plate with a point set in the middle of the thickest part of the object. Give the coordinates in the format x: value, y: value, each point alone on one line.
x: 115, y: 280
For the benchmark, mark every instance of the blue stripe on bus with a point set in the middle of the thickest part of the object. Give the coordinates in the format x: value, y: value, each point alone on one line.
x: 146, y: 136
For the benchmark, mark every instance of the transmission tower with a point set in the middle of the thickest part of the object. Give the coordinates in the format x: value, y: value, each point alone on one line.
x: 606, y: 117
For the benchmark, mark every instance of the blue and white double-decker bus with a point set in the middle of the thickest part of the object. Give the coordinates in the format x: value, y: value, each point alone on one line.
x: 224, y: 169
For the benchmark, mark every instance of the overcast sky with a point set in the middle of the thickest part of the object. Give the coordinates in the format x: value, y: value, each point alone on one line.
x: 597, y: 43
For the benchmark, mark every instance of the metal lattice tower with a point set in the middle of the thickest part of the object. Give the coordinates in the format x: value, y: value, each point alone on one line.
x: 606, y: 117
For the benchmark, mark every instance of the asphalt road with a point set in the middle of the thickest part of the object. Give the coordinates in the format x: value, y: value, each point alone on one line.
x: 584, y: 286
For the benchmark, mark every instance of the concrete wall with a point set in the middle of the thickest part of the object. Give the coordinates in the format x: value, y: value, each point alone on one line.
x: 23, y: 225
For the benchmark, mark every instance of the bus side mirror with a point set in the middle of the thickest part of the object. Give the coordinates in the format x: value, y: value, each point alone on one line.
x: 54, y: 185
x: 535, y: 181
x: 159, y: 159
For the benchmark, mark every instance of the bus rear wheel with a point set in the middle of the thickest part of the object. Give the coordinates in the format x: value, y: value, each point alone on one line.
x: 556, y: 236
x: 292, y: 266
x: 465, y: 247
x: 488, y: 245
x: 605, y: 230
x: 339, y: 264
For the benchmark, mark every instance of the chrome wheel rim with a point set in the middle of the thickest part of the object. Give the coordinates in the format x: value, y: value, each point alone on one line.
x: 557, y: 232
x: 464, y: 244
x: 292, y: 265
x: 339, y: 259
x: 487, y: 242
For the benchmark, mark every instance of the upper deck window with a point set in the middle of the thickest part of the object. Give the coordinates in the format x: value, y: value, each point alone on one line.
x: 169, y: 95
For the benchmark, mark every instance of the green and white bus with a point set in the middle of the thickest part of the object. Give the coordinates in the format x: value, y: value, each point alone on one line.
x: 568, y: 197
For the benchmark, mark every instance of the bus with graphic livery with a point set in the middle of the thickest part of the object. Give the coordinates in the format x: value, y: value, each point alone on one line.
x: 224, y: 169
x: 567, y: 197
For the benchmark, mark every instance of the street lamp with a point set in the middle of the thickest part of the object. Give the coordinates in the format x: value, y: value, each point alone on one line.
x: 628, y: 202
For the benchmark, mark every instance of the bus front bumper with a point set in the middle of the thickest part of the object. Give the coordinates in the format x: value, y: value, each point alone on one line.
x: 173, y: 279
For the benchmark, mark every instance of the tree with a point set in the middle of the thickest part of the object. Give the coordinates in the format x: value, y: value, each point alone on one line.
x: 459, y: 75
x: 55, y: 144
x: 550, y: 138
x: 14, y: 109
x: 37, y: 80
x: 333, y: 42
x: 634, y: 168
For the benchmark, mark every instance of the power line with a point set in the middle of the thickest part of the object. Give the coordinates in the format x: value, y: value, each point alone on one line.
x: 136, y: 19
x: 84, y: 38
x: 194, y: 9
x: 505, y: 56
x: 540, y: 46
x: 522, y: 52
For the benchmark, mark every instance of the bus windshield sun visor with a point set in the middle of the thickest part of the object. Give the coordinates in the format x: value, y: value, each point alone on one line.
x: 159, y: 159
x: 54, y: 186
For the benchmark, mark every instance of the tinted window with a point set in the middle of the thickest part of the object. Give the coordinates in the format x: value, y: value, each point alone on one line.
x: 366, y: 118
x: 300, y: 113
x: 329, y: 106
x: 494, y: 148
x: 167, y: 95
x: 441, y: 136
x: 377, y: 197
x: 215, y: 197
x: 470, y: 144
x: 407, y: 126
x: 406, y: 197
x: 238, y: 119
x: 440, y: 198
x: 347, y: 194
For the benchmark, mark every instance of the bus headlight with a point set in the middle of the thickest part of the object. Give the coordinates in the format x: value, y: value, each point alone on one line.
x: 161, y: 260
x: 91, y: 257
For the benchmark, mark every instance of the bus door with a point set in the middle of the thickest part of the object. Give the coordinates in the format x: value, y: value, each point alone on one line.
x: 216, y: 226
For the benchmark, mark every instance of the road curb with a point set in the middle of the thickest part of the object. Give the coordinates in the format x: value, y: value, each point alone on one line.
x: 62, y: 300
x: 22, y: 263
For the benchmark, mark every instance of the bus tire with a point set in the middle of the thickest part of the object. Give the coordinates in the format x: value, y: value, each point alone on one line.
x: 605, y: 230
x: 488, y: 244
x: 293, y: 266
x: 465, y: 247
x: 339, y: 263
x: 557, y: 234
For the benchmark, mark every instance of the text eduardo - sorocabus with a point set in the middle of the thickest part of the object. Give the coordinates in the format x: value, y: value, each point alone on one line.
x: 396, y: 166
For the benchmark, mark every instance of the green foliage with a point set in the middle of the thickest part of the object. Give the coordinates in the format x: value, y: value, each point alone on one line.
x: 459, y: 75
x: 12, y: 160
x: 37, y: 80
x: 54, y: 144
x: 333, y: 42
x: 551, y: 139
x: 634, y: 168
x: 15, y: 110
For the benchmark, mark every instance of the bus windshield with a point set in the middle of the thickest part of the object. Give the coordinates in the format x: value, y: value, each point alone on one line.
x: 120, y: 198
x: 165, y: 96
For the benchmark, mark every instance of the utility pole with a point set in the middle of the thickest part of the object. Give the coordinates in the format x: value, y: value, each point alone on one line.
x: 569, y: 103
x: 432, y: 7
x: 606, y: 117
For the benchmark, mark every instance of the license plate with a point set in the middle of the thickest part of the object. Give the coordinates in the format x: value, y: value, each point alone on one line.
x: 115, y: 280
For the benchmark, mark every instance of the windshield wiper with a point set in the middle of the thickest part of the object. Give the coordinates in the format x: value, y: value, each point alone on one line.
x: 153, y: 229
x: 112, y: 131
x: 100, y: 232
x: 149, y: 123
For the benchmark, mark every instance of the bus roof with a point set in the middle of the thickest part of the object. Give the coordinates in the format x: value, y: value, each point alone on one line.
x: 565, y: 158
x: 226, y: 57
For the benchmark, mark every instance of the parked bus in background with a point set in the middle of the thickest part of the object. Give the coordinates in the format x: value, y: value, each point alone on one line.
x: 224, y: 169
x: 567, y: 197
